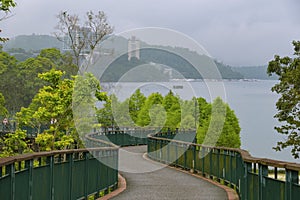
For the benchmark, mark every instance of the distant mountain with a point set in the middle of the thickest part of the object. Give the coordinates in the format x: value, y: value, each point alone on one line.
x: 255, y: 72
x: 32, y: 42
x: 25, y: 46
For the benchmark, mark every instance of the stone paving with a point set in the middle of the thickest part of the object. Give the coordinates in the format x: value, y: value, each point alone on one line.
x: 147, y: 179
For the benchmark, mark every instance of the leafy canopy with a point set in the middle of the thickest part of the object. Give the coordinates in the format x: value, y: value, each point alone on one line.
x: 288, y: 105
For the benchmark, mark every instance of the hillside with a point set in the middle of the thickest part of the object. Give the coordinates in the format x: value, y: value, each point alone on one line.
x: 255, y: 72
x: 25, y: 46
x: 32, y: 42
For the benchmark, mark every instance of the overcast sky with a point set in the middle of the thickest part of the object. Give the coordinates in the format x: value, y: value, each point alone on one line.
x: 236, y: 32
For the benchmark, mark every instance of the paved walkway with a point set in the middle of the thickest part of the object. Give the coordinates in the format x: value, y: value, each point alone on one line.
x: 151, y: 180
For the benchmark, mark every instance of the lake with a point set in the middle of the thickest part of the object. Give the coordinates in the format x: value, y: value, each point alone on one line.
x: 252, y: 101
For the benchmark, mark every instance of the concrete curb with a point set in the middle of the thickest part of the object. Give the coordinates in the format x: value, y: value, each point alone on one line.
x: 121, y: 188
x: 231, y: 193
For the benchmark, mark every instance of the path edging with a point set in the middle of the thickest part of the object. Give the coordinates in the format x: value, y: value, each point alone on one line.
x: 121, y: 187
x: 231, y: 193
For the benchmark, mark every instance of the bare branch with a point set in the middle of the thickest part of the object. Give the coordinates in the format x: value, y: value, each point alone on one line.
x: 81, y: 40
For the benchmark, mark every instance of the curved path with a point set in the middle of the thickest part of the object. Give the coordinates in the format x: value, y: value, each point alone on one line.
x: 147, y: 179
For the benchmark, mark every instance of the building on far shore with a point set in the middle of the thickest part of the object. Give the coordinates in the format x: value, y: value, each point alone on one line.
x: 133, y: 48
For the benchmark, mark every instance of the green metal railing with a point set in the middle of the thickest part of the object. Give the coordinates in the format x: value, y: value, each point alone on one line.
x: 77, y: 174
x: 123, y: 136
x: 66, y: 174
x: 253, y: 178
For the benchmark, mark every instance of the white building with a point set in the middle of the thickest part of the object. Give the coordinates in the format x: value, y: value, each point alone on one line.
x: 133, y: 48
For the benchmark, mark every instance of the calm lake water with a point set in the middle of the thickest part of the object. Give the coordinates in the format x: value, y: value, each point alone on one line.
x: 252, y: 101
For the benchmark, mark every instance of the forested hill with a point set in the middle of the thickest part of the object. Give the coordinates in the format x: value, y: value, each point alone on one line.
x: 25, y: 46
x: 255, y: 72
x: 32, y: 42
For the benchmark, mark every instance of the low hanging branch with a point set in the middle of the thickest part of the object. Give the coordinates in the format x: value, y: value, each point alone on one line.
x: 5, y: 6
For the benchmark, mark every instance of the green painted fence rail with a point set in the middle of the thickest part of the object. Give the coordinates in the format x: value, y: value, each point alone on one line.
x: 77, y: 174
x: 124, y: 136
x: 253, y: 178
x: 66, y: 174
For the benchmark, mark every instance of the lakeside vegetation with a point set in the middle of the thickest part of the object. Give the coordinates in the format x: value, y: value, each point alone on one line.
x: 40, y: 89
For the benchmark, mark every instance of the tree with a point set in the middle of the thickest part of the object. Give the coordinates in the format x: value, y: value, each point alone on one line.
x: 54, y: 107
x: 105, y: 114
x: 13, y: 144
x: 82, y: 38
x: 136, y: 102
x: 220, y: 127
x: 172, y: 106
x: 62, y: 61
x: 144, y: 118
x: 288, y: 105
x: 19, y: 81
x: 9, y: 82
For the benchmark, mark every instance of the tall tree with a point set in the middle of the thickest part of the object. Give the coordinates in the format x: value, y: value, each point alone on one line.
x: 105, y: 114
x: 220, y: 127
x: 54, y: 106
x: 82, y: 39
x: 136, y: 102
x: 288, y: 105
x: 152, y: 102
x: 172, y: 106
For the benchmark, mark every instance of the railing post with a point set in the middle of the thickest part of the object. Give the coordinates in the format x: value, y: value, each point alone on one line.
x: 247, y: 169
x: 70, y: 159
x: 176, y: 154
x: 203, y: 160
x: 185, y: 155
x: 29, y: 166
x: 218, y: 163
x: 291, y: 177
x: 210, y: 162
x: 262, y: 172
x: 51, y: 169
x: 231, y: 168
x: 86, y: 159
x: 194, y: 164
x: 168, y: 153
x: 224, y: 164
x: 12, y: 180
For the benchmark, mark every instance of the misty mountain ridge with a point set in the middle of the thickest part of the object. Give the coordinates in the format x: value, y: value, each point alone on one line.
x: 25, y: 46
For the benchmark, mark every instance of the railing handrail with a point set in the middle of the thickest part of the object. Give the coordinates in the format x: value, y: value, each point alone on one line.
x: 246, y: 156
x: 30, y: 156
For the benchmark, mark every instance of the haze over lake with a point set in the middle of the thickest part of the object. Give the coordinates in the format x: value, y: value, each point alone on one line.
x: 252, y: 101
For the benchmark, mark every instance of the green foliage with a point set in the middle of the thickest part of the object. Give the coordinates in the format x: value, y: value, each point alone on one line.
x: 136, y: 102
x: 171, y: 104
x: 19, y: 82
x: 105, y: 115
x: 53, y: 107
x: 45, y: 142
x: 288, y: 105
x: 3, y: 110
x: 6, y: 5
x: 153, y: 100
x: 86, y: 93
x: 217, y: 123
x: 220, y: 127
x: 14, y: 143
